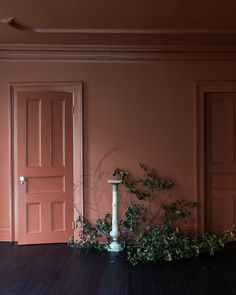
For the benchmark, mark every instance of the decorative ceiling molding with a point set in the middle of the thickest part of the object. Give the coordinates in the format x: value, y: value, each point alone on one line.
x: 6, y: 20
x: 115, y: 53
x: 11, y: 21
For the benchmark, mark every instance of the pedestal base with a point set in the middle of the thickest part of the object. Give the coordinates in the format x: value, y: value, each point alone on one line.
x: 115, y: 247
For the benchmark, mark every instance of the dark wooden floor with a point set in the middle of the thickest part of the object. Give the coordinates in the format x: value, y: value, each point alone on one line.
x: 59, y: 269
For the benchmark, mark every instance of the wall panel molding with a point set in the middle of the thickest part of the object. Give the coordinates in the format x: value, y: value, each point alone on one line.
x: 115, y: 53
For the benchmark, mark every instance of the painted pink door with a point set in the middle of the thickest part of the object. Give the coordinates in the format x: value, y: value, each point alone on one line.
x: 44, y: 158
x: 220, y: 161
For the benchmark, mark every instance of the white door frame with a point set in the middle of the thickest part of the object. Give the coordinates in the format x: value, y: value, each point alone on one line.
x: 76, y: 88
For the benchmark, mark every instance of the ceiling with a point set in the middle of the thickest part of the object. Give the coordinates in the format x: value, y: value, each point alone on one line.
x: 158, y: 21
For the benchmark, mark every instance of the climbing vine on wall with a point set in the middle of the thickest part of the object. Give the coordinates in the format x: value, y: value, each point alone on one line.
x: 148, y: 238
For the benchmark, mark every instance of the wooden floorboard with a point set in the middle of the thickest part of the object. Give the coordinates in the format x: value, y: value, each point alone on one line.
x: 59, y: 269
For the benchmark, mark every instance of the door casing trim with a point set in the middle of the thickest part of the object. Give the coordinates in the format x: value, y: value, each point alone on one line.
x: 76, y: 88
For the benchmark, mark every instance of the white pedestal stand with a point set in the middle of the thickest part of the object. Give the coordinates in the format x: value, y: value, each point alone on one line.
x: 115, y: 246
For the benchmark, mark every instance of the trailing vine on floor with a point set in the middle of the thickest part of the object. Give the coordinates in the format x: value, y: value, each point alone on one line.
x: 149, y: 242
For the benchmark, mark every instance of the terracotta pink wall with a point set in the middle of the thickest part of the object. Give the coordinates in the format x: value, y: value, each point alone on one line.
x: 146, y: 109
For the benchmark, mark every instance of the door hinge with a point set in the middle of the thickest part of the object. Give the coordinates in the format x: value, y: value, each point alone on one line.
x: 73, y: 110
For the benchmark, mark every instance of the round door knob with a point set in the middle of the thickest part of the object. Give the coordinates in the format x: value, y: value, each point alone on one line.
x: 22, y: 179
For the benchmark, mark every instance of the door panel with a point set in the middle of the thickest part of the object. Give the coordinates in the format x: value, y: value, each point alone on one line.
x: 44, y: 157
x: 220, y: 161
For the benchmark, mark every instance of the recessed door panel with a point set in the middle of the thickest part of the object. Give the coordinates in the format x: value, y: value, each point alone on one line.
x: 33, y: 217
x: 58, y: 136
x: 33, y: 133
x: 52, y: 184
x: 218, y: 130
x: 58, y: 216
x: 221, y: 220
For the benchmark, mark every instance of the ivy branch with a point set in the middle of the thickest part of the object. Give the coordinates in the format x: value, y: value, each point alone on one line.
x: 151, y: 242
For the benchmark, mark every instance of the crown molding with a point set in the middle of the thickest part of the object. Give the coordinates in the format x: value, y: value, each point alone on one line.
x: 6, y: 20
x: 153, y: 44
x: 114, y: 53
x: 12, y: 22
